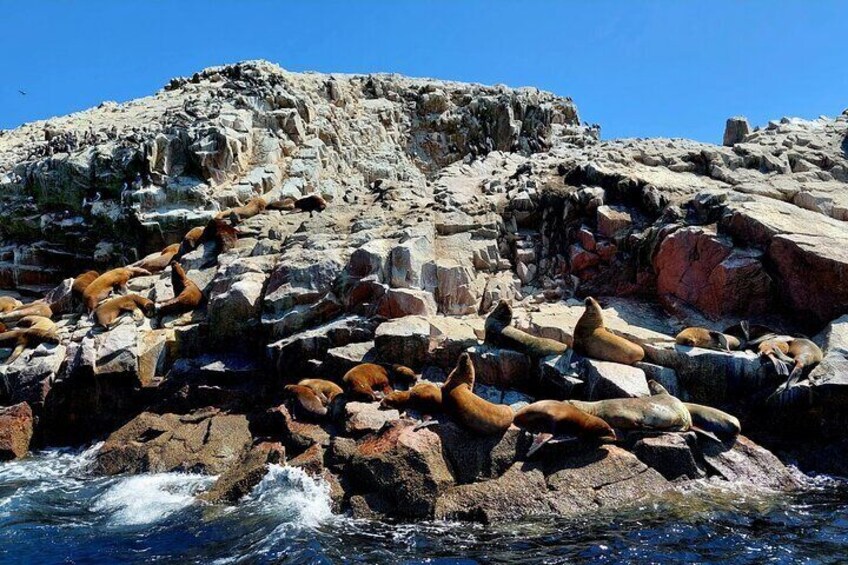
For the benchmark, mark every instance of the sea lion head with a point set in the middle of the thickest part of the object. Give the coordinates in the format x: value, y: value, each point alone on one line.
x: 656, y: 388
x: 463, y: 373
x: 149, y: 309
x: 404, y: 374
x: 502, y: 313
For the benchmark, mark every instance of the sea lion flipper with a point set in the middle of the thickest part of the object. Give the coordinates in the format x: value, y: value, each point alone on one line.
x: 721, y: 339
x: 538, y: 441
x: 795, y: 375
x: 746, y: 329
x: 704, y: 433
x: 656, y: 388
x: 780, y: 366
x: 426, y: 423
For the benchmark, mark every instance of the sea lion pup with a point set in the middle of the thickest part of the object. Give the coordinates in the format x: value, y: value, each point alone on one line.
x: 325, y: 390
x: 500, y: 332
x: 187, y: 295
x: 31, y: 331
x: 592, y: 339
x: 370, y: 381
x: 81, y: 283
x: 661, y: 411
x: 714, y: 421
x: 469, y: 410
x: 304, y: 402
x: 159, y: 261
x: 423, y: 397
x: 37, y: 308
x: 707, y: 339
x: 7, y: 303
x: 107, y: 313
x: 547, y: 419
x: 116, y: 279
x: 253, y: 207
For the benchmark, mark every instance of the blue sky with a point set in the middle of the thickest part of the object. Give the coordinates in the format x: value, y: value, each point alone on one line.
x: 637, y: 68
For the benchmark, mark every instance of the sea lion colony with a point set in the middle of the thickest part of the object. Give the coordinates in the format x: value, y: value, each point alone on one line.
x: 314, y: 399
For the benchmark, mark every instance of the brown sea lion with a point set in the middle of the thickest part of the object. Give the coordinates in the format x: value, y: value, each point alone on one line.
x: 81, y: 283
x: 156, y: 262
x: 37, y: 308
x: 309, y: 203
x: 499, y: 332
x: 187, y: 295
x: 326, y: 390
x: 423, y: 397
x: 222, y: 232
x: 253, y: 207
x: 469, y: 410
x: 799, y: 353
x: 305, y: 403
x: 107, y: 282
x: 31, y: 331
x: 592, y: 339
x: 707, y: 339
x: 107, y: 313
x: 547, y: 419
x: 7, y: 303
x: 190, y: 241
x: 750, y: 335
x: 367, y: 381
x: 713, y: 420
x: 661, y: 411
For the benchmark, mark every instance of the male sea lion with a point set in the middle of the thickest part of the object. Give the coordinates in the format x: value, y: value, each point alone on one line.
x: 37, y: 308
x: 546, y: 419
x: 7, y: 303
x: 81, y: 283
x: 500, y: 332
x: 661, y: 411
x: 159, y: 261
x: 469, y: 410
x: 107, y: 282
x: 708, y: 339
x: 187, y: 295
x: 253, y: 207
x: 107, y: 313
x: 325, y: 390
x: 31, y: 331
x: 592, y: 339
x: 423, y: 397
x: 305, y: 403
x: 372, y: 381
x: 713, y: 420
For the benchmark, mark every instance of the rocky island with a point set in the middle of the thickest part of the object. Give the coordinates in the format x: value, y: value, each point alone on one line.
x: 272, y: 227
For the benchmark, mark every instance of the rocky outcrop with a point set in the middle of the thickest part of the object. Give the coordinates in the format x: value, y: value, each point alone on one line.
x: 15, y: 431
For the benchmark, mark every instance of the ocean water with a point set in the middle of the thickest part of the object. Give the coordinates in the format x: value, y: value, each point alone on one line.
x: 52, y: 511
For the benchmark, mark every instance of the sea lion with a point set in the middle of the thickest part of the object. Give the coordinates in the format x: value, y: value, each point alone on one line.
x: 156, y: 262
x: 469, y: 410
x: 592, y: 339
x: 325, y: 390
x: 309, y: 203
x: 187, y: 295
x: 253, y: 207
x: 707, y: 339
x: 713, y: 420
x: 37, y: 308
x: 81, y: 283
x: 191, y: 240
x: 372, y: 381
x: 661, y: 411
x: 305, y: 403
x: 107, y: 313
x: 222, y: 232
x: 31, y: 331
x: 799, y: 353
x: 7, y: 303
x: 750, y: 335
x: 546, y: 419
x: 500, y: 332
x: 423, y: 397
x: 107, y: 282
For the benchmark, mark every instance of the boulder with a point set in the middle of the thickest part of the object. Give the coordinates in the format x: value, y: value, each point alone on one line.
x: 403, y: 340
x: 735, y: 130
x: 612, y: 220
x: 238, y: 481
x: 400, y: 302
x: 747, y: 463
x: 503, y: 368
x: 366, y: 417
x: 674, y: 456
x: 15, y: 431
x: 605, y: 380
x: 473, y: 458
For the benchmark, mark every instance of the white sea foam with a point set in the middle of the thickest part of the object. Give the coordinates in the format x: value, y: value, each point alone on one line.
x: 147, y: 499
x: 292, y: 496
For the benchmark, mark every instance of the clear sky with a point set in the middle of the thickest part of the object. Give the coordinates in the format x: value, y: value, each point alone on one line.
x: 671, y: 68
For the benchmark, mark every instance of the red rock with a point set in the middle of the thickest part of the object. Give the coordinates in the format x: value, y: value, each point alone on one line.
x: 586, y: 238
x: 15, y: 431
x: 581, y: 259
x: 400, y: 302
x: 606, y: 251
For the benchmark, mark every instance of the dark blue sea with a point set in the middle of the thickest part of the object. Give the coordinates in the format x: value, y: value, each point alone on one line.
x: 52, y: 511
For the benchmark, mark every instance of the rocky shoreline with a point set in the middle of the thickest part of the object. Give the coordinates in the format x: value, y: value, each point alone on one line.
x: 443, y: 199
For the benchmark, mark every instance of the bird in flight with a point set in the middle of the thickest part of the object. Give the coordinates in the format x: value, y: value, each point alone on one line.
x: 22, y: 92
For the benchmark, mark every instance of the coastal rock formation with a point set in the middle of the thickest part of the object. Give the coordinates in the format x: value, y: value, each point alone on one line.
x: 442, y: 199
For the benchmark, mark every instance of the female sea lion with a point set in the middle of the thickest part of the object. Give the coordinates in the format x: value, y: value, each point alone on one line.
x: 7, y: 303
x: 713, y: 420
x: 325, y: 390
x: 187, y: 295
x: 81, y: 283
x: 661, y: 411
x: 107, y: 313
x: 31, y: 331
x: 253, y: 207
x: 305, y: 403
x: 156, y: 262
x: 37, y: 308
x: 222, y: 232
x: 592, y: 339
x: 546, y: 419
x: 372, y: 381
x: 499, y: 332
x: 423, y: 397
x: 468, y: 409
x: 708, y: 339
x: 799, y: 353
x: 750, y: 334
x: 107, y: 282
x: 191, y: 240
